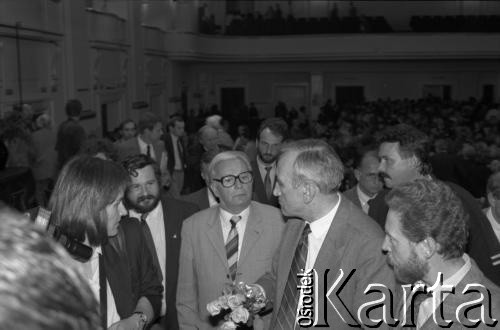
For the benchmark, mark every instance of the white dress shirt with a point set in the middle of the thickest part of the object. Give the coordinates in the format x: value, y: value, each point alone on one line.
x: 112, y: 314
x: 241, y: 225
x: 262, y: 171
x: 363, y: 199
x: 156, y: 225
x: 177, y: 155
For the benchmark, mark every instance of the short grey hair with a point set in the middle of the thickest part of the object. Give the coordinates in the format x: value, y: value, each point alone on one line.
x: 316, y: 161
x: 228, y: 155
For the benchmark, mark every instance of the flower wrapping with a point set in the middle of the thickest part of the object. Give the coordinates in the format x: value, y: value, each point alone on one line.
x: 238, y: 305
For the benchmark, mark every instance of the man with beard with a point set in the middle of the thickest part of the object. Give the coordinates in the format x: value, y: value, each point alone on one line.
x: 229, y: 243
x: 426, y: 235
x: 272, y: 132
x: 403, y: 154
x: 161, y: 218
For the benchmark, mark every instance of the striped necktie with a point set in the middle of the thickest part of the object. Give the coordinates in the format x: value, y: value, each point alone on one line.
x: 232, y: 247
x: 287, y: 312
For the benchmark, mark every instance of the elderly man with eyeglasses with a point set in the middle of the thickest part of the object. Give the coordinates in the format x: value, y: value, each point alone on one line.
x: 228, y: 243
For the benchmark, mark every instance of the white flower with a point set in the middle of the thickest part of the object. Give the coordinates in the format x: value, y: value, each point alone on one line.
x: 214, y: 307
x: 240, y: 315
x: 228, y: 325
x: 235, y: 300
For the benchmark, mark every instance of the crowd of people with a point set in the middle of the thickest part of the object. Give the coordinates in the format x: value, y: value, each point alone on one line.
x: 388, y: 192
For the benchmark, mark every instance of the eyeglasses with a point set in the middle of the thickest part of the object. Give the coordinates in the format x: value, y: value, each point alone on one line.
x: 230, y: 180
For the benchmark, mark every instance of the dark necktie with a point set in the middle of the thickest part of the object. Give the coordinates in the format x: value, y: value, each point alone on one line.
x: 150, y: 243
x: 102, y: 293
x: 288, y: 309
x: 181, y: 152
x: 232, y: 247
x: 148, y: 151
x: 267, y: 182
x: 418, y: 297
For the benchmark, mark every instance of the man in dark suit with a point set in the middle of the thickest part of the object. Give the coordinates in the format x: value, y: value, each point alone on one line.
x: 204, y: 197
x: 148, y: 142
x: 272, y: 132
x: 70, y: 135
x: 426, y: 235
x: 369, y: 182
x: 325, y: 231
x: 161, y: 219
x: 176, y: 148
x: 403, y: 154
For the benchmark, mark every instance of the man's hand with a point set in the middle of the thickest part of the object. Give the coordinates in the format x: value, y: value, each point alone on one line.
x: 133, y: 322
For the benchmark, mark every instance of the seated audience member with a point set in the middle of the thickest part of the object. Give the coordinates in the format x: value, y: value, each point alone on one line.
x: 127, y: 131
x: 369, y: 182
x: 205, y: 197
x: 493, y: 212
x: 39, y: 288
x: 426, y: 236
x: 86, y: 205
x: 403, y: 153
x: 231, y: 242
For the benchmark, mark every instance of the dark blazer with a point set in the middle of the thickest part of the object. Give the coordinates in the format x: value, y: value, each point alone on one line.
x: 352, y: 195
x: 353, y: 242
x: 174, y: 213
x: 169, y: 147
x: 482, y: 245
x: 259, y: 190
x: 70, y: 137
x: 199, y: 198
x: 453, y: 301
x: 130, y: 269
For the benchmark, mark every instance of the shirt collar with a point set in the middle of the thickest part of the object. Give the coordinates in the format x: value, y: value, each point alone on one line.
x: 363, y: 198
x: 320, y: 226
x: 226, y: 216
x: 460, y: 274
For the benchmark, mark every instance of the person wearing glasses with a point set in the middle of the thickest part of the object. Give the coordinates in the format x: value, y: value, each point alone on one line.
x: 231, y: 242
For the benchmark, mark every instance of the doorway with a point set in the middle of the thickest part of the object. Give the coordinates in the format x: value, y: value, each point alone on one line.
x: 349, y: 94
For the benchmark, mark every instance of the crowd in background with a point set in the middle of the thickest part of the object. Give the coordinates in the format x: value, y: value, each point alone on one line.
x: 465, y: 136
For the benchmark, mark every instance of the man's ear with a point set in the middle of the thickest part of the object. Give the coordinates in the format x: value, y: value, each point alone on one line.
x: 213, y: 187
x: 427, y: 248
x: 357, y: 174
x: 309, y: 191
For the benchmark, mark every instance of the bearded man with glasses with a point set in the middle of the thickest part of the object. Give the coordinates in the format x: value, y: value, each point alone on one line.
x: 228, y: 243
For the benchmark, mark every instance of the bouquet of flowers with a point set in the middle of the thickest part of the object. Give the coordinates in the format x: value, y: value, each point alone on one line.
x: 238, y: 305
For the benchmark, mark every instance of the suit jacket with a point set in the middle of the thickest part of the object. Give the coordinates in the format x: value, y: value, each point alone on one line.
x: 130, y: 269
x: 204, y: 271
x: 353, y: 242
x: 199, y: 198
x: 259, y: 190
x: 352, y: 195
x: 70, y: 137
x: 169, y: 147
x: 482, y: 244
x: 174, y: 213
x: 131, y: 147
x: 453, y: 301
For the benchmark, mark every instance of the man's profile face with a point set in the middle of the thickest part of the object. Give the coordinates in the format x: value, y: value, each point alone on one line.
x: 154, y: 134
x: 402, y: 254
x: 178, y: 128
x: 290, y: 198
x: 143, y: 193
x: 128, y: 131
x: 394, y: 169
x: 236, y: 198
x: 268, y: 145
x: 367, y: 175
